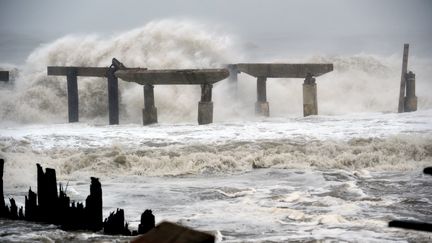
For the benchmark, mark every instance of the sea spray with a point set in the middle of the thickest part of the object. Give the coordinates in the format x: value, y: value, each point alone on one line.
x: 359, y: 83
x: 157, y: 45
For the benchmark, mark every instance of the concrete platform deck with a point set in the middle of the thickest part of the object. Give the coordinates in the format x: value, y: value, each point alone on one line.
x: 173, y: 76
x: 284, y: 70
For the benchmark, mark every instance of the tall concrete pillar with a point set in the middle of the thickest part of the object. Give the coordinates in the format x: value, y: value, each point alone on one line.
x: 113, y: 99
x: 401, y: 104
x: 205, y: 106
x: 149, y: 111
x: 262, y: 106
x: 310, y: 102
x: 4, y: 76
x: 72, y: 89
x: 410, y: 101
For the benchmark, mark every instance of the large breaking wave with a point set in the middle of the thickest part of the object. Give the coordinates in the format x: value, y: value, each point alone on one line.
x: 360, y: 83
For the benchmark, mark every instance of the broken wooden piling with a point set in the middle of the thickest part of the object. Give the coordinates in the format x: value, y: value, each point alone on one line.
x: 3, y: 209
x: 53, y: 206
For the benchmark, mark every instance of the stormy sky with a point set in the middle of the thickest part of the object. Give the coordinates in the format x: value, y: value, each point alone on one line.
x: 330, y: 26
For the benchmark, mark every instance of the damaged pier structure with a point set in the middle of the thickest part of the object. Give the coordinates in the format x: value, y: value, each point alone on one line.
x: 204, y: 77
x: 72, y: 74
x: 263, y: 71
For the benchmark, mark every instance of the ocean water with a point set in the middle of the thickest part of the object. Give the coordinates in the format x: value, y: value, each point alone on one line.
x: 339, y: 176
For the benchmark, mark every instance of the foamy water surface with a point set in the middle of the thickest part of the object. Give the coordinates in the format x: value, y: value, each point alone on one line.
x: 277, y: 179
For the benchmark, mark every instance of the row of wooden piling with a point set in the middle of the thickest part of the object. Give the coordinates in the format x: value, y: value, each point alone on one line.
x: 53, y: 206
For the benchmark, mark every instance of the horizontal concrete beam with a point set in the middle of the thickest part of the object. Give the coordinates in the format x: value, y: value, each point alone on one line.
x: 173, y: 76
x: 4, y: 76
x: 284, y: 70
x: 82, y: 71
x: 79, y: 71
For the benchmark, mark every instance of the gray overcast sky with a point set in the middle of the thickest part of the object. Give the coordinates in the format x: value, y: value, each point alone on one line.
x: 26, y: 24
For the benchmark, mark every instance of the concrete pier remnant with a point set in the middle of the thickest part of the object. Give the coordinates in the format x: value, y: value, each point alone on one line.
x: 310, y: 101
x: 203, y: 77
x: 205, y: 106
x: 261, y: 105
x: 4, y: 76
x: 113, y: 97
x: 72, y: 89
x: 149, y: 111
x: 262, y: 71
x: 107, y: 72
x: 410, y: 100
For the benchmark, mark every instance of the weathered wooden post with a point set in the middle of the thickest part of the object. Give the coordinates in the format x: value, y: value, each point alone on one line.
x: 149, y: 111
x: 72, y: 89
x: 2, y: 202
x: 93, y: 209
x: 410, y: 102
x: 47, y: 194
x: 403, y: 79
x: 113, y: 99
x: 205, y: 106
x: 310, y: 102
x: 262, y: 106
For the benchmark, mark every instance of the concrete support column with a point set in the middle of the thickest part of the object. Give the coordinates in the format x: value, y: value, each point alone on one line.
x: 205, y: 106
x: 72, y: 89
x: 149, y: 111
x: 262, y: 106
x: 310, y: 102
x: 113, y: 99
x: 410, y: 101
x: 4, y: 76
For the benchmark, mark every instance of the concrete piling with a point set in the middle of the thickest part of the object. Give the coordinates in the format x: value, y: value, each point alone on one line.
x: 113, y: 98
x: 72, y: 89
x: 310, y: 102
x: 262, y: 106
x: 205, y: 106
x: 410, y: 101
x: 4, y: 76
x: 149, y: 111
